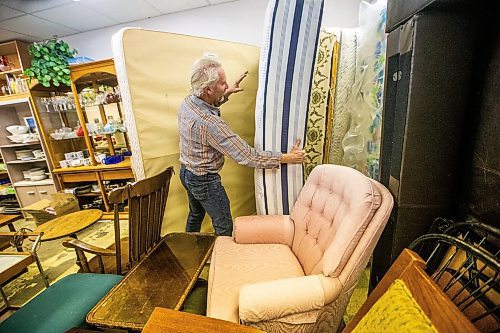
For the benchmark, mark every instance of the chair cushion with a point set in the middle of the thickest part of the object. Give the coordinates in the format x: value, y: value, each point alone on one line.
x: 330, y: 215
x: 396, y: 311
x: 228, y: 272
x: 62, y: 306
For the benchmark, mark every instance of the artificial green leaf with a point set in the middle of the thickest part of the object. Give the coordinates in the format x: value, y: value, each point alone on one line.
x: 50, y: 62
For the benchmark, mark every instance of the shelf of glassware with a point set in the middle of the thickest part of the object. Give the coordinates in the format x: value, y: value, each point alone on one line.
x: 66, y: 137
x: 103, y: 132
x: 98, y: 102
x: 58, y: 118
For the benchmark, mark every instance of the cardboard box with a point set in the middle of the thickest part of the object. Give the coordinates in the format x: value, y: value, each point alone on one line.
x: 46, y: 210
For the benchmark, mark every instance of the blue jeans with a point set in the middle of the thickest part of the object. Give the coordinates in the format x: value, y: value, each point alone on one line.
x: 206, y: 194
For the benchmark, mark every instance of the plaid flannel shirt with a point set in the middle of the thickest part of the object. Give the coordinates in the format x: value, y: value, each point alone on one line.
x: 205, y: 138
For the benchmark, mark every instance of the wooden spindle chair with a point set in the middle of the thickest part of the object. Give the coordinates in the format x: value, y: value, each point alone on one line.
x: 146, y: 201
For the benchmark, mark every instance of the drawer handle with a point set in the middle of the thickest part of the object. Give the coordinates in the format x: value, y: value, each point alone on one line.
x: 42, y: 192
x: 31, y: 192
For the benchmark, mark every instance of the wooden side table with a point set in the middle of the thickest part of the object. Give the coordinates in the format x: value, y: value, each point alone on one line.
x: 161, y: 279
x: 69, y: 224
x: 7, y: 220
x: 165, y: 320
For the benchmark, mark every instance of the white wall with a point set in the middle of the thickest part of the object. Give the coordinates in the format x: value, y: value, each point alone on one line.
x: 238, y: 21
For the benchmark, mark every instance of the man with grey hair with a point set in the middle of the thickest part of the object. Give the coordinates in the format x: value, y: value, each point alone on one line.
x: 205, y: 138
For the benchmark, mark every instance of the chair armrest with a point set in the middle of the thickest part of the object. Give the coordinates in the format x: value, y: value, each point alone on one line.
x: 79, y: 245
x: 278, y: 298
x: 264, y: 229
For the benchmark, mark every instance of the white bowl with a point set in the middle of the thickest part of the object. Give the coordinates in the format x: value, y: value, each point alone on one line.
x: 17, y: 129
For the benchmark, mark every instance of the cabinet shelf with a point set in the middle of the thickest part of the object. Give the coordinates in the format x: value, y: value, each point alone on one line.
x: 16, y: 145
x: 14, y: 71
x: 76, y: 138
x: 34, y: 183
x: 14, y: 99
x: 29, y: 161
x: 90, y: 194
x: 57, y: 111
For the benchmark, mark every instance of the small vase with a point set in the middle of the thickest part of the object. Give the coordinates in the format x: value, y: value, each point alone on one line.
x: 79, y: 131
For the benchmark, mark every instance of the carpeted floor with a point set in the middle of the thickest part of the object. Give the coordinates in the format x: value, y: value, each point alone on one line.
x: 58, y: 261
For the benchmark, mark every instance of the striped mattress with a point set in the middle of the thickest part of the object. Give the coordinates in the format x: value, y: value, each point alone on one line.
x: 291, y: 31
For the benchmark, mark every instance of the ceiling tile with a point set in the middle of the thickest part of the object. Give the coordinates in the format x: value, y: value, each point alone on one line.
x: 32, y: 25
x: 76, y: 16
x: 123, y: 11
x: 30, y: 6
x: 176, y: 6
x: 6, y: 36
x: 6, y: 13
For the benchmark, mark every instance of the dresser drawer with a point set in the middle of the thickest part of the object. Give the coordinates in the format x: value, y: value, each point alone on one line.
x: 117, y: 174
x: 44, y: 191
x: 27, y: 195
x: 79, y: 177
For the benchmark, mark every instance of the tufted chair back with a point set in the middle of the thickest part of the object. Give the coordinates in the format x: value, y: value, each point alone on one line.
x: 330, y: 215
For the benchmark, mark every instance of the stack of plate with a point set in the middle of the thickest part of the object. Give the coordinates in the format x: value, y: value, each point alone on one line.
x: 35, y: 174
x: 25, y: 154
x: 38, y: 153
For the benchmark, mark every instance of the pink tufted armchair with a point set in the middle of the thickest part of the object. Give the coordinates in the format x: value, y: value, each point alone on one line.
x: 296, y: 273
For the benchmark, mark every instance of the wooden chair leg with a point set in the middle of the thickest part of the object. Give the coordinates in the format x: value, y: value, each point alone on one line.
x: 4, y: 298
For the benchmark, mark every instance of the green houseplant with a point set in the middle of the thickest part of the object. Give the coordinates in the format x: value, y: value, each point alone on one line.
x: 50, y: 62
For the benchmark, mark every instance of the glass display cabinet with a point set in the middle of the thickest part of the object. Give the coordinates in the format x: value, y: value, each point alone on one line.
x: 87, y: 140
x: 57, y: 116
x: 98, y: 101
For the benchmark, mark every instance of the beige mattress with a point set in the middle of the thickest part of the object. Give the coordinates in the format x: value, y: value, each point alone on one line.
x: 153, y: 71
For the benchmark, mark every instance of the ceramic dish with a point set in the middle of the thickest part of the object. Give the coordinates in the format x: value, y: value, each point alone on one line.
x: 17, y: 129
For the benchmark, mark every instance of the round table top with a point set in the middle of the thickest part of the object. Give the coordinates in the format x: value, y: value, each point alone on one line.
x: 69, y: 224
